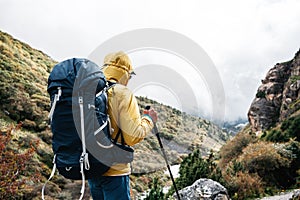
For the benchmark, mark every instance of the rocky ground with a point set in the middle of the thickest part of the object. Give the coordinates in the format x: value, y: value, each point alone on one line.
x: 284, y: 196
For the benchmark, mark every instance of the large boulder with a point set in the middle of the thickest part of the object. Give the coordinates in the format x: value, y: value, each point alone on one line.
x: 205, y: 189
x: 296, y: 195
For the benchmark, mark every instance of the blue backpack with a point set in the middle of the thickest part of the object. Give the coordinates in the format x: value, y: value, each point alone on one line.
x: 81, y: 142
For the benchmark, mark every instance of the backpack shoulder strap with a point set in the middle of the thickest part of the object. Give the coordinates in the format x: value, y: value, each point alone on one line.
x: 111, y: 84
x: 122, y: 137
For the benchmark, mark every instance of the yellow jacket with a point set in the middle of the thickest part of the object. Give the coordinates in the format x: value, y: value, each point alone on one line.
x: 124, y: 113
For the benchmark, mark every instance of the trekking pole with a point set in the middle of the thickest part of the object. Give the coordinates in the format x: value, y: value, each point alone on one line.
x: 164, y: 155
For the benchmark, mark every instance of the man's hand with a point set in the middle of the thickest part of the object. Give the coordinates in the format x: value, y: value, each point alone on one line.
x: 152, y: 113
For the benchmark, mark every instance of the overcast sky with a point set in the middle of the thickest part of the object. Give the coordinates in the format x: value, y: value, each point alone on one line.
x: 243, y: 38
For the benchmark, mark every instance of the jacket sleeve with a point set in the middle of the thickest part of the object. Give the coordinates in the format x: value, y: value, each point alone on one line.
x: 127, y: 116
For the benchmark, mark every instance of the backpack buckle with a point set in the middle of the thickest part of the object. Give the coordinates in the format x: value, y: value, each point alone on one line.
x: 80, y: 100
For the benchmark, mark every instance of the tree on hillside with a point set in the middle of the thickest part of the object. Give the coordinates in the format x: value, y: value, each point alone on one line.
x: 156, y: 192
x: 194, y: 167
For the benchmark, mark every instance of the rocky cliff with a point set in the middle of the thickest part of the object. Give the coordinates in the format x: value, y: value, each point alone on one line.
x: 277, y: 97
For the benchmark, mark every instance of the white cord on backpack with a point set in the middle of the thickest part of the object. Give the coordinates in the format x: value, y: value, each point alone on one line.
x: 52, y: 174
x: 56, y: 99
x: 83, y: 181
x: 84, y: 162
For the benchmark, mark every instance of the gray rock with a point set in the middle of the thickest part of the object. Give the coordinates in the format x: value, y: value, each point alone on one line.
x: 296, y: 195
x: 205, y: 189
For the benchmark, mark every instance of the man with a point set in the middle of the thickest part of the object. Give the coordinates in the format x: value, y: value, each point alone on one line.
x: 125, y: 115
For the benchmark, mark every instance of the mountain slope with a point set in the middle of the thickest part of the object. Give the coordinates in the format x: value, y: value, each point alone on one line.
x: 24, y: 100
x: 181, y: 134
x: 23, y: 77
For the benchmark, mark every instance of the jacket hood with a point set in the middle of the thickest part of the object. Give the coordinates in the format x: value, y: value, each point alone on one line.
x: 117, y: 67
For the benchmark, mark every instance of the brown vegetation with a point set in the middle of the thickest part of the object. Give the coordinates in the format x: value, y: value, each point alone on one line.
x: 17, y: 177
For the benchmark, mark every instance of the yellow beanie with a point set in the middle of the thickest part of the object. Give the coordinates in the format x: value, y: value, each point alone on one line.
x: 117, y: 66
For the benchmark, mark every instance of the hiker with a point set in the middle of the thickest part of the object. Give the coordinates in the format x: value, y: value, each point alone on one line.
x: 125, y: 117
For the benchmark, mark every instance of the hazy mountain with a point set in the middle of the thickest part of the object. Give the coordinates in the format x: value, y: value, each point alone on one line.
x: 233, y: 127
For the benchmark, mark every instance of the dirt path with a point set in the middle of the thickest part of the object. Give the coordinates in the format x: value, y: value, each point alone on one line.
x: 283, y: 196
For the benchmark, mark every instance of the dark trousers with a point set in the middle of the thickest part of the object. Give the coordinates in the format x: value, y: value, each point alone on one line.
x: 110, y: 188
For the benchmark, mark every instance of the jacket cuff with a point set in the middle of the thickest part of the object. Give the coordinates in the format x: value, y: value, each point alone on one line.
x: 146, y: 116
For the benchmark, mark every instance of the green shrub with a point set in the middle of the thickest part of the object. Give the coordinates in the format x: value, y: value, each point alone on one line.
x: 289, y: 129
x: 194, y: 167
x: 156, y: 192
x: 276, y: 136
x: 294, y: 78
x: 292, y: 127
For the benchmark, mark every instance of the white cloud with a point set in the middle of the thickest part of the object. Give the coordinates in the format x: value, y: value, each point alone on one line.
x: 243, y: 38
